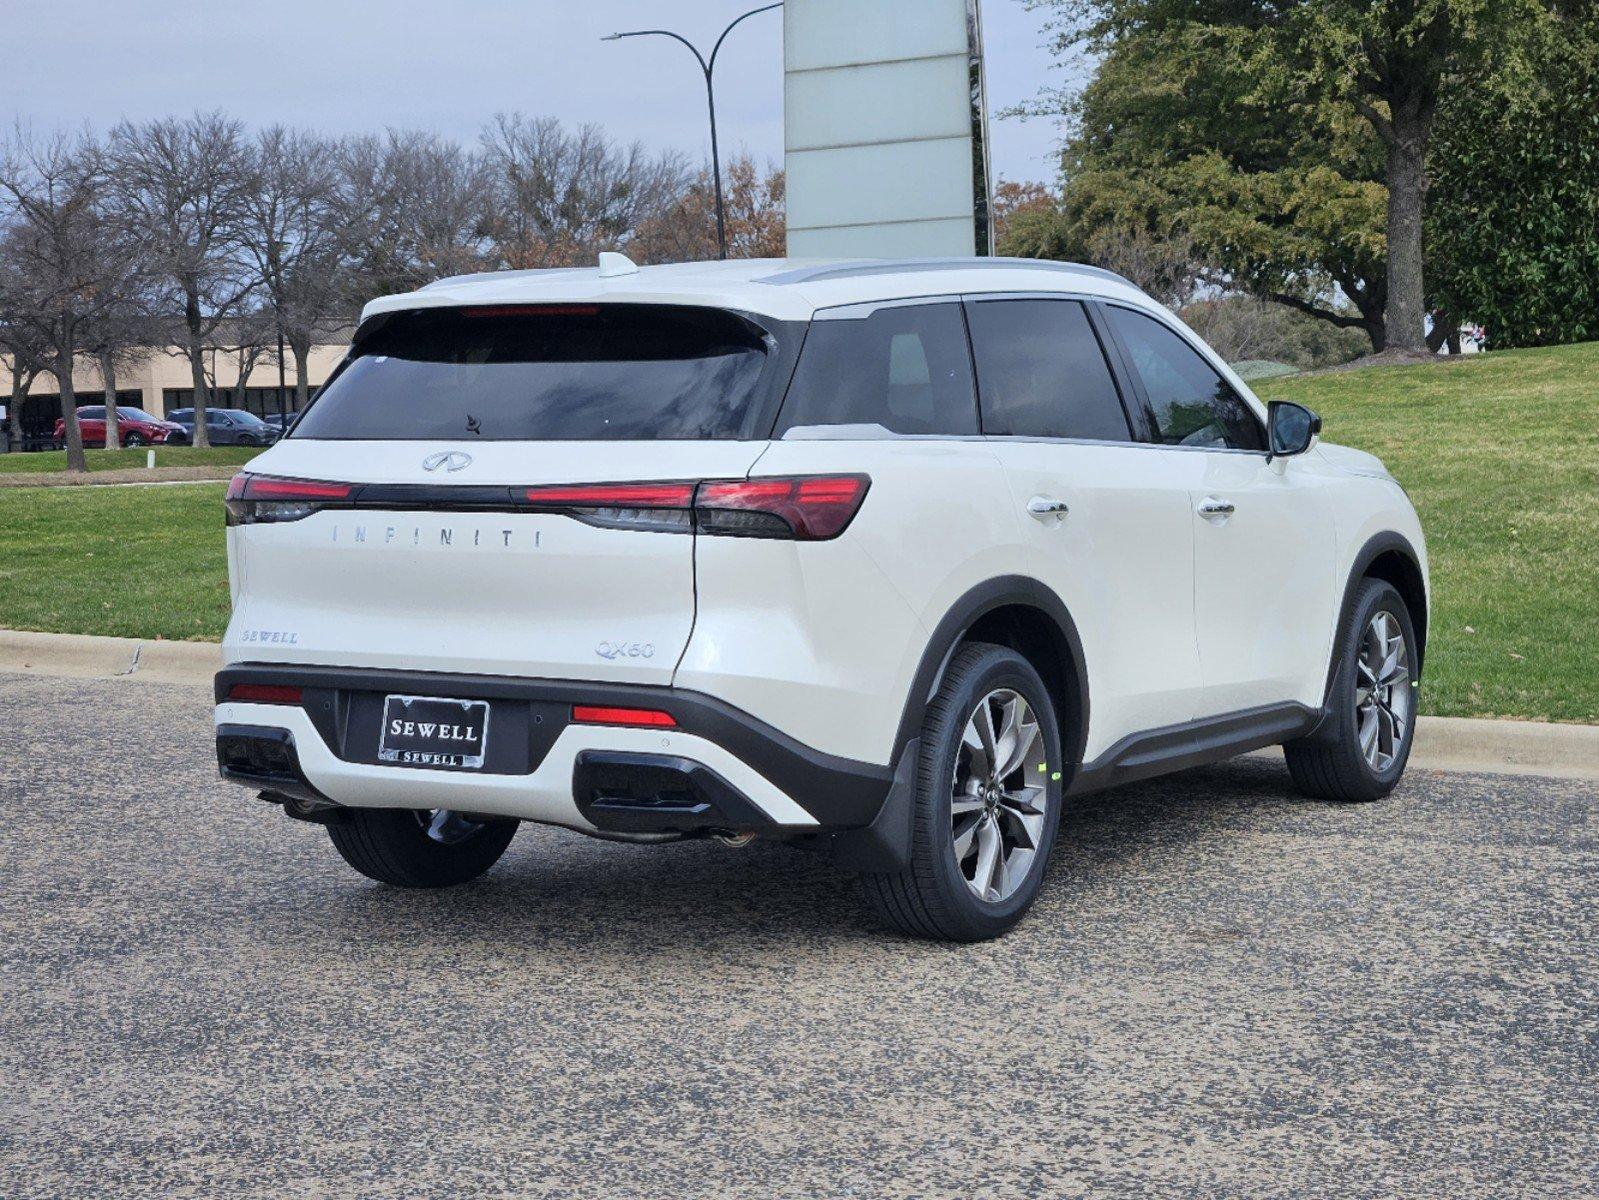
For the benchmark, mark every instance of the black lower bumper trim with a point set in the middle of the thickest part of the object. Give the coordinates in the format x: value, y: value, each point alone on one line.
x: 840, y: 793
x: 621, y: 792
x: 265, y: 758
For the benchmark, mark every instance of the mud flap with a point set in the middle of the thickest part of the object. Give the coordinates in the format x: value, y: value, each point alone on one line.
x: 885, y: 844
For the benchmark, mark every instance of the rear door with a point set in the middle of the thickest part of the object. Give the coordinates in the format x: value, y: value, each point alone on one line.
x: 1263, y: 532
x: 449, y: 424
x: 1108, y: 523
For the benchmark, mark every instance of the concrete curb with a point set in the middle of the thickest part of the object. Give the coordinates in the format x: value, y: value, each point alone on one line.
x: 134, y: 659
x: 1442, y: 743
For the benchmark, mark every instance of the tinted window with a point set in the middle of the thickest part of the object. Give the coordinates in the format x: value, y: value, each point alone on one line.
x: 601, y: 372
x: 905, y: 368
x: 1193, y: 405
x: 1042, y: 373
x: 91, y: 413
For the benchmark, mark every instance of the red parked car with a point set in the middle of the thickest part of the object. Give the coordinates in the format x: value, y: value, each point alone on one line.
x: 135, y: 427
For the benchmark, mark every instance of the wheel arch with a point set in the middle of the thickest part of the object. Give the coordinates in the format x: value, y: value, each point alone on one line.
x: 1031, y: 619
x: 1390, y: 557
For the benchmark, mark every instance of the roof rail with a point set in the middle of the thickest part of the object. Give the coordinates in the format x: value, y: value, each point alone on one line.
x: 867, y: 266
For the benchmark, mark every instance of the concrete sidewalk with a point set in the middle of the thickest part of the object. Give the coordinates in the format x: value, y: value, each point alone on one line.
x: 1442, y: 743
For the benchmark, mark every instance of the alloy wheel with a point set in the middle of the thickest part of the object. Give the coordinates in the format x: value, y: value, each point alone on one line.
x: 1383, y: 697
x: 997, y: 817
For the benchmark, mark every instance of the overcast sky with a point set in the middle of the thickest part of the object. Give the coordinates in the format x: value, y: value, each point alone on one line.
x: 448, y: 65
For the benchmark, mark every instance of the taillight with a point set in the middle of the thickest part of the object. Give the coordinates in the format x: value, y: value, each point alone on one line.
x: 809, y: 508
x: 657, y: 507
x: 264, y: 693
x: 803, y: 508
x: 261, y: 499
x: 604, y: 714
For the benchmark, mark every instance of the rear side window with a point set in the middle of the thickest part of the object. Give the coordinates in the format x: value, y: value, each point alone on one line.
x: 1042, y: 372
x: 904, y: 367
x: 549, y: 373
x: 1192, y: 404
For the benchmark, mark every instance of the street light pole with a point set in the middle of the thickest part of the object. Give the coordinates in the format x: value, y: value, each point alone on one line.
x: 708, y: 67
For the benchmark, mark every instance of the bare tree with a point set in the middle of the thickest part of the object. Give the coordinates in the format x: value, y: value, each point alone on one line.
x: 558, y: 198
x: 755, y: 203
x: 18, y: 345
x: 181, y: 189
x: 65, y: 266
x: 117, y: 339
x: 411, y: 206
x: 296, y: 235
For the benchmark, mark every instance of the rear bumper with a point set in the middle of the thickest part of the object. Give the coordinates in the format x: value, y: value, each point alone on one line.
x: 718, y: 770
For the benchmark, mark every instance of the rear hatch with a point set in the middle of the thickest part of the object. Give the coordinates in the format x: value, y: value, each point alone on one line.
x: 465, y: 495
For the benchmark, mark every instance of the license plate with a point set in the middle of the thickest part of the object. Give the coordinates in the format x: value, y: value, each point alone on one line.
x: 424, y: 731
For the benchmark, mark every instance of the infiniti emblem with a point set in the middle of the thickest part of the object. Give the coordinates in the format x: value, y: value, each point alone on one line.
x: 451, y: 460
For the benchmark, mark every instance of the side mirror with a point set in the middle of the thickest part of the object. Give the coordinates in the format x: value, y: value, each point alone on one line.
x: 1290, y: 429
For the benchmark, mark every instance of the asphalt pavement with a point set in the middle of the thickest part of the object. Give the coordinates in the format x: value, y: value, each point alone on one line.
x: 1225, y: 990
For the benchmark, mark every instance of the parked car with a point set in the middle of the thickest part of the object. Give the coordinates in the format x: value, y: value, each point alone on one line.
x: 228, y: 426
x: 885, y: 560
x: 280, y: 421
x: 135, y: 427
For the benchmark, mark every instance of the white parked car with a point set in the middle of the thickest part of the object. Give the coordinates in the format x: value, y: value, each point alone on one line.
x: 885, y: 559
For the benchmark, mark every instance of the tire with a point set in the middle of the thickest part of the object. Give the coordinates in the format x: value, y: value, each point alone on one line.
x: 392, y: 845
x: 934, y: 896
x: 133, y: 439
x: 246, y: 439
x: 1336, y: 765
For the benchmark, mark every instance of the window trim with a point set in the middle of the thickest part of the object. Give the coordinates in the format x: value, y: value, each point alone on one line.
x: 1206, y: 355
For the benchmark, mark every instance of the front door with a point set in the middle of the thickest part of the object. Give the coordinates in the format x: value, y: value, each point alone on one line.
x: 1263, y: 532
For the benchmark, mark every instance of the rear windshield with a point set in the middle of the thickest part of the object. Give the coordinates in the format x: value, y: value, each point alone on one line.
x: 515, y: 373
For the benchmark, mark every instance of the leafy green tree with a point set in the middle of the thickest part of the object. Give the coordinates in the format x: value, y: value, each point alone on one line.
x: 1513, y: 204
x: 1289, y: 138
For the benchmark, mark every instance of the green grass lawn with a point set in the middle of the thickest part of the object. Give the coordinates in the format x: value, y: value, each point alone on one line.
x: 121, y: 460
x: 1500, y: 454
x: 126, y: 561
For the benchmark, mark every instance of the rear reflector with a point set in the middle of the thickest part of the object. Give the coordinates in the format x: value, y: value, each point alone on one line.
x: 264, y: 693
x: 597, y: 714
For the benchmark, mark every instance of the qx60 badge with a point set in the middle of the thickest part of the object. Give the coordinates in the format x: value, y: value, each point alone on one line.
x: 451, y: 460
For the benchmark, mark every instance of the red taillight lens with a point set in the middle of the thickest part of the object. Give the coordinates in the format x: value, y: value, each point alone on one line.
x: 264, y: 487
x: 264, y: 693
x: 600, y: 714
x: 642, y: 507
x: 257, y: 499
x: 808, y: 508
x: 802, y: 508
x: 611, y: 495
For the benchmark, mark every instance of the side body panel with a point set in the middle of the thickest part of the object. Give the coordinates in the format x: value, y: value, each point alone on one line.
x: 823, y: 639
x: 1266, y: 584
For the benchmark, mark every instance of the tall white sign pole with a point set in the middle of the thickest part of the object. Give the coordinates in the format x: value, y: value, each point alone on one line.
x: 885, y: 129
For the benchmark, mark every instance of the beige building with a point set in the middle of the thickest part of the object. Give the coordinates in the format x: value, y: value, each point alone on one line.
x: 160, y: 380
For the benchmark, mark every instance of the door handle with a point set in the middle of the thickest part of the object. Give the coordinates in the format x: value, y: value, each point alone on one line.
x: 1212, y: 507
x: 1045, y: 507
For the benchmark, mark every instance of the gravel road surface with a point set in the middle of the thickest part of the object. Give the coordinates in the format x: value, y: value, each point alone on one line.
x: 1224, y: 991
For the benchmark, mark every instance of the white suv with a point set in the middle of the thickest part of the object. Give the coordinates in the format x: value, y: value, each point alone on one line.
x: 884, y: 559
